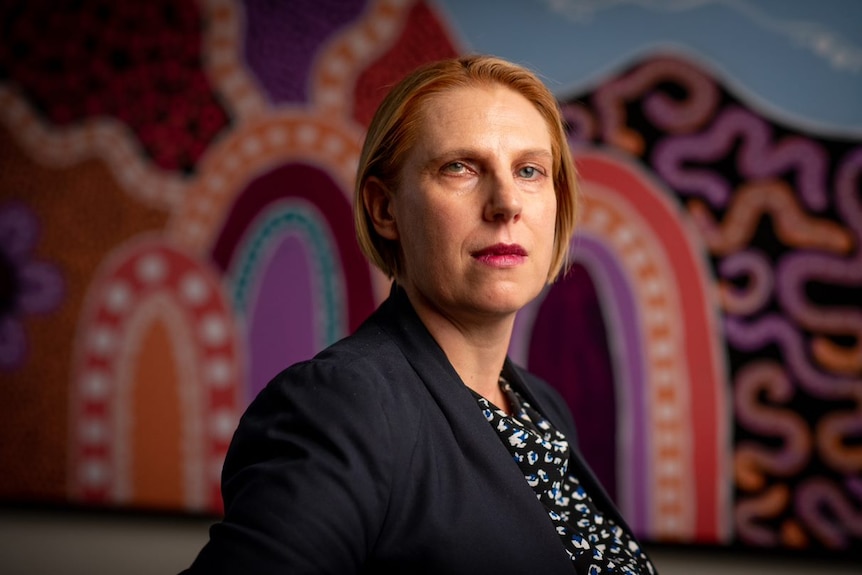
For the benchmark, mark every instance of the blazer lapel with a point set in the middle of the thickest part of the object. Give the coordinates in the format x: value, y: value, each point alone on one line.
x: 478, y: 441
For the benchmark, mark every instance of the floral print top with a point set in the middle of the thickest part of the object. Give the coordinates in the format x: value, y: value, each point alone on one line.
x: 594, y: 542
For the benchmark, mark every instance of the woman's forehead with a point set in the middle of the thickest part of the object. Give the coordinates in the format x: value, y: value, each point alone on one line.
x: 476, y: 113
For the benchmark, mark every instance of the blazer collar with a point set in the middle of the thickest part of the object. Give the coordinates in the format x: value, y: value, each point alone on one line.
x: 428, y: 358
x: 398, y: 317
x: 475, y: 436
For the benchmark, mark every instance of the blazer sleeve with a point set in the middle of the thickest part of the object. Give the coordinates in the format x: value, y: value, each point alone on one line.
x: 305, y: 480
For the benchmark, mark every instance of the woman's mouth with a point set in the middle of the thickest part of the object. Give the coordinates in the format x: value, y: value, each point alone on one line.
x: 501, y: 255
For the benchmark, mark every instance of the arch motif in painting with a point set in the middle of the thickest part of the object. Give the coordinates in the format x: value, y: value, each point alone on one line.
x: 157, y: 340
x: 288, y: 287
x: 672, y: 440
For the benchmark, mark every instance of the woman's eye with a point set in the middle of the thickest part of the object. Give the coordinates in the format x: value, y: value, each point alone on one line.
x: 455, y: 168
x: 528, y: 172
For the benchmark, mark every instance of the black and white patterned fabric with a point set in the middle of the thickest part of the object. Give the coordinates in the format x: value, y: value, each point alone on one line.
x: 595, y: 543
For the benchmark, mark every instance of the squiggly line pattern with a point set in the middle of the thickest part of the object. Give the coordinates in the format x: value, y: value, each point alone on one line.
x: 758, y: 157
x: 775, y: 329
x: 754, y: 200
x: 754, y: 266
x: 751, y: 460
x: 798, y: 269
x: 780, y: 213
x: 673, y: 115
x: 817, y: 499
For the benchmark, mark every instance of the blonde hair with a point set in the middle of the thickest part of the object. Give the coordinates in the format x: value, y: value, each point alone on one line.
x: 395, y: 128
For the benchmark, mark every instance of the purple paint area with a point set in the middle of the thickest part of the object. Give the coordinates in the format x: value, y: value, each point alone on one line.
x: 625, y: 332
x: 281, y: 323
x: 27, y: 286
x: 283, y: 38
x: 308, y: 184
x: 571, y: 348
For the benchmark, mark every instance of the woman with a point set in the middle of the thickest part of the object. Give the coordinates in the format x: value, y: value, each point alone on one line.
x: 415, y: 445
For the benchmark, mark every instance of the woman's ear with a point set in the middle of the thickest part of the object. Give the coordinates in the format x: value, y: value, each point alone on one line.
x: 379, y: 206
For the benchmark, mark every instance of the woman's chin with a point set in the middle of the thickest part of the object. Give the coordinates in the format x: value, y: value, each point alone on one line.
x: 504, y: 301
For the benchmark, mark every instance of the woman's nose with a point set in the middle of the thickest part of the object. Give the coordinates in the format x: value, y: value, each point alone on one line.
x: 504, y: 200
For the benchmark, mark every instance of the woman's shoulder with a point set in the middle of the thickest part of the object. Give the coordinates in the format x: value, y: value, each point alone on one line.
x: 368, y: 355
x: 375, y: 354
x: 343, y: 393
x: 357, y: 372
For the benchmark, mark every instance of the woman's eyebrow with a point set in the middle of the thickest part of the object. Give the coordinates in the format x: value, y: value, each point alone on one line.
x: 456, y: 153
x: 537, y: 153
x: 469, y: 153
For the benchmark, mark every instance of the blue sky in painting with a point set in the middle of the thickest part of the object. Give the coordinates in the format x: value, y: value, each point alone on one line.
x: 798, y: 61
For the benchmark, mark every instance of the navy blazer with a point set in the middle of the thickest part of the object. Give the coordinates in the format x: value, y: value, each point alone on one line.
x: 374, y: 457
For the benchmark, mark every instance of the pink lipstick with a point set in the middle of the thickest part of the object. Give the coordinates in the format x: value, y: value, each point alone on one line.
x: 501, y: 255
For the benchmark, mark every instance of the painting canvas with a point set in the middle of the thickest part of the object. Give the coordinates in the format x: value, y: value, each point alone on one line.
x: 176, y: 227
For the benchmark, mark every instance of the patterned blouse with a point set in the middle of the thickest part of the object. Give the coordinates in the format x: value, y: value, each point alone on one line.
x: 594, y: 543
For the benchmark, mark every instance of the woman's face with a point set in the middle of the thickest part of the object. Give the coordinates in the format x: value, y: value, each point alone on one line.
x: 475, y: 209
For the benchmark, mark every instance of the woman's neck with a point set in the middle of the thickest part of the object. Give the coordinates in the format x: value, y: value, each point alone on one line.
x: 475, y: 346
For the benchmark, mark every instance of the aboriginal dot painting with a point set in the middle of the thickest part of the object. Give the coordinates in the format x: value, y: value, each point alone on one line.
x: 176, y: 227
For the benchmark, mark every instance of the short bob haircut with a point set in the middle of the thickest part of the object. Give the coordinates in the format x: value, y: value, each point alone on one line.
x: 395, y: 129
